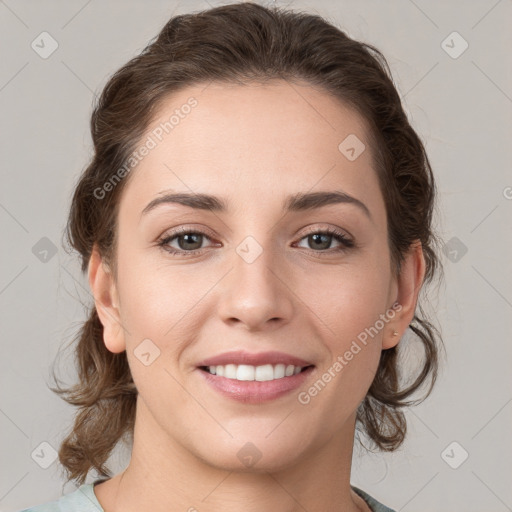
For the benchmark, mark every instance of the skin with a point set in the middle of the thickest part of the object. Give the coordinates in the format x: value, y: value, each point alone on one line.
x: 252, y: 145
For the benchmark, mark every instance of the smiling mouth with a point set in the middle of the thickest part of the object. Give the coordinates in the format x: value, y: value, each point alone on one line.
x: 263, y: 373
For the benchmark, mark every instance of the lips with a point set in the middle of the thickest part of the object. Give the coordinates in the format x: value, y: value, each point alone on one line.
x: 241, y: 357
x: 254, y: 392
x: 231, y: 375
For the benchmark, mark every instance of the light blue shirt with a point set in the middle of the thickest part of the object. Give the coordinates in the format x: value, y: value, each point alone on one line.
x: 81, y: 500
x: 84, y: 500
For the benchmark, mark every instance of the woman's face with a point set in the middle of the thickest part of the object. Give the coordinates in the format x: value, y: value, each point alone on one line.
x: 260, y: 277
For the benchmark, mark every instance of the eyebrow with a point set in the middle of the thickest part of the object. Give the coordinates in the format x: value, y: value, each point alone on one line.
x: 298, y: 202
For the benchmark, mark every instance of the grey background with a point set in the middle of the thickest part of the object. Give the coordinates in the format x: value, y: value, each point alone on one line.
x: 461, y: 108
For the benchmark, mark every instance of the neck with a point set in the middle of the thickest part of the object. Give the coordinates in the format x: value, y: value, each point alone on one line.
x: 164, y: 476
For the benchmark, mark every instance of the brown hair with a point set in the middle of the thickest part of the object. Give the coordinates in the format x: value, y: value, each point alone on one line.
x: 243, y: 43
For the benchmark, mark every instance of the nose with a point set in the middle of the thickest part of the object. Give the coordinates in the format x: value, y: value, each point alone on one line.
x: 256, y: 293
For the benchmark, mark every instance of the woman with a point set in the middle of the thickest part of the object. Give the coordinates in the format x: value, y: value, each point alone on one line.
x: 256, y: 225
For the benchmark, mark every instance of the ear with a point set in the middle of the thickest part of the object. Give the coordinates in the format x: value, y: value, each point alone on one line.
x: 408, y: 286
x: 101, y: 282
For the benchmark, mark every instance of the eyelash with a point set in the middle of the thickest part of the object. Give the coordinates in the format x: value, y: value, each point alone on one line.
x: 339, y: 236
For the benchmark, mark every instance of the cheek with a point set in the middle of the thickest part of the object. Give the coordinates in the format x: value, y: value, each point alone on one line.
x: 155, y: 296
x: 352, y: 311
x: 352, y: 315
x: 352, y: 301
x: 162, y: 304
x: 157, y: 310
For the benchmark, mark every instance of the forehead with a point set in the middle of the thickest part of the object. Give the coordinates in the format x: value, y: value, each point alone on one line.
x: 253, y: 141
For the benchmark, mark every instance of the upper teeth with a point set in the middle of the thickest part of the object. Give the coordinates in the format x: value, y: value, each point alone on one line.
x: 259, y: 373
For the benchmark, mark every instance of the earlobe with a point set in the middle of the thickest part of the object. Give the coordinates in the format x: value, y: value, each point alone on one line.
x: 409, y: 283
x: 391, y: 339
x: 106, y: 302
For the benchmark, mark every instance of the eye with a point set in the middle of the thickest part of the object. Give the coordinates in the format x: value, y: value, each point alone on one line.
x: 188, y: 240
x: 319, y: 240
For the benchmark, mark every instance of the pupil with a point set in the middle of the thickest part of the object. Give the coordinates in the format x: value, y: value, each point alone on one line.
x: 187, y: 237
x: 319, y: 236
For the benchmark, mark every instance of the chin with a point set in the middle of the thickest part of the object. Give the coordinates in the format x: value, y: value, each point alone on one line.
x: 254, y: 454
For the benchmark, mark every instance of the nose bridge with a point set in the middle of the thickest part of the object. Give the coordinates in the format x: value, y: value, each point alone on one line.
x: 253, y: 278
x: 254, y: 294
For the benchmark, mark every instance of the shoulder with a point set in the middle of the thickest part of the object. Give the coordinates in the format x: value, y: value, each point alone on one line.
x: 374, y: 505
x: 81, y: 500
